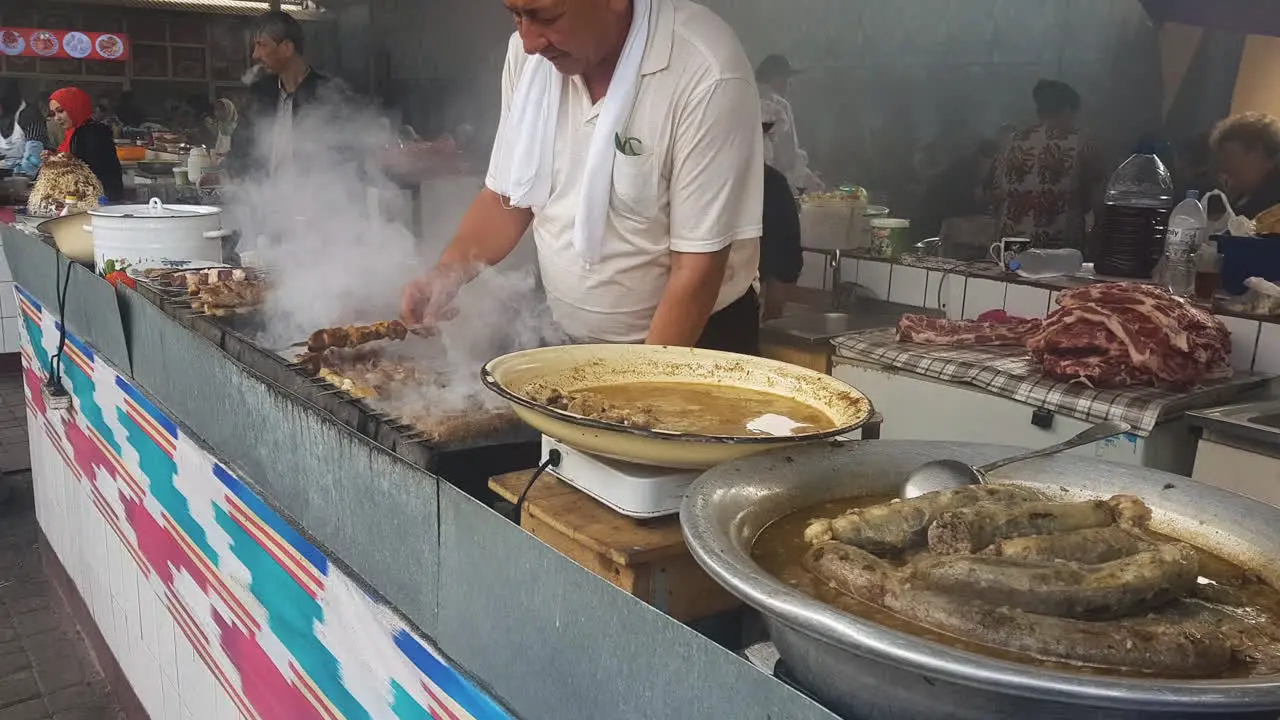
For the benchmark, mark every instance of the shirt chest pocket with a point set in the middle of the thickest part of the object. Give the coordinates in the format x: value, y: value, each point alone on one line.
x: 636, y: 185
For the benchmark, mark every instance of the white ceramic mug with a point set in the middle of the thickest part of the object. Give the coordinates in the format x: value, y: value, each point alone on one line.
x: 1005, y: 251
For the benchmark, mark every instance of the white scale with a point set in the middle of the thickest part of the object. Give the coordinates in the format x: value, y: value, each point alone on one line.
x: 632, y: 489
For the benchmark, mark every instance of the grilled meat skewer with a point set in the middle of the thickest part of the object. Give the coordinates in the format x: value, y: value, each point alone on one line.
x: 355, y: 335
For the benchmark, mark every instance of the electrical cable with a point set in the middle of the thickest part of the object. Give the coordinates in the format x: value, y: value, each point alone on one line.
x: 553, y: 460
x: 61, y: 286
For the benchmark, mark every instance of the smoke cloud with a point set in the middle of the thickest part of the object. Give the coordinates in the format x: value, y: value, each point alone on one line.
x: 336, y: 257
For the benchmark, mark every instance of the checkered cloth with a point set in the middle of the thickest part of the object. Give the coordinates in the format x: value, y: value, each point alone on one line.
x: 1010, y: 372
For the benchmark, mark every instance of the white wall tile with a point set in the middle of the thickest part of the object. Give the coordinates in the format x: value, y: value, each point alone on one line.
x: 933, y: 299
x: 118, y: 555
x: 170, y: 636
x: 130, y: 601
x: 1244, y: 341
x: 118, y: 640
x: 172, y: 701
x: 982, y: 295
x: 150, y: 689
x: 954, y: 294
x: 908, y: 285
x: 1026, y: 301
x: 5, y: 272
x: 8, y: 301
x: 849, y: 268
x: 874, y: 277
x: 1267, y: 358
x: 225, y: 707
x: 147, y: 681
x: 195, y: 679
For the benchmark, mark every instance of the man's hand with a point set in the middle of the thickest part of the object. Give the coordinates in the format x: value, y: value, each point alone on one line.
x: 689, y: 298
x: 428, y: 301
x: 487, y: 234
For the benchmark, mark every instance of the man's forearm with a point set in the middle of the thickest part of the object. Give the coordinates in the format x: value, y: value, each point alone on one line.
x: 688, y: 299
x: 486, y: 236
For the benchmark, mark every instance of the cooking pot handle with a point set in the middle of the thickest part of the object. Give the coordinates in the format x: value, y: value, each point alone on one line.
x: 218, y: 234
x: 87, y: 228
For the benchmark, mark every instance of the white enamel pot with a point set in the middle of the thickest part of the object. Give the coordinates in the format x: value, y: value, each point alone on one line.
x: 156, y: 235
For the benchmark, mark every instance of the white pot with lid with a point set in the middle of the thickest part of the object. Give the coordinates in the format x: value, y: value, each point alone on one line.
x: 156, y: 235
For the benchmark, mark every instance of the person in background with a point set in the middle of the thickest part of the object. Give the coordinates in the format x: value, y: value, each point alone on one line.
x: 263, y: 141
x: 102, y: 111
x: 781, y: 257
x: 105, y: 115
x: 53, y: 130
x: 223, y: 126
x: 128, y: 111
x: 1050, y: 176
x: 782, y: 143
x: 1247, y: 148
x: 19, y: 123
x: 87, y: 139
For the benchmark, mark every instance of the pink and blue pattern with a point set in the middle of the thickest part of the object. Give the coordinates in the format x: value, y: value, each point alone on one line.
x: 279, y: 627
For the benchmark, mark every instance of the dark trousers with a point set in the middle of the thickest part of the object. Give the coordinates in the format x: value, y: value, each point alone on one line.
x: 734, y: 328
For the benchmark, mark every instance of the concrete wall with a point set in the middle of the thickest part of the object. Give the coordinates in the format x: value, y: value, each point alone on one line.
x: 892, y: 84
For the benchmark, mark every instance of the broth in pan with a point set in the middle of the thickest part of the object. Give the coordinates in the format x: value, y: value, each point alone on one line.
x: 695, y: 408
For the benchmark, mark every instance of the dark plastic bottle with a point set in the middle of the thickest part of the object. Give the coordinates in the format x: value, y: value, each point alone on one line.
x: 1135, y: 217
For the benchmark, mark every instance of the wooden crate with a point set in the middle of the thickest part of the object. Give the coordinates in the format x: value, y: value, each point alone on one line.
x: 645, y: 558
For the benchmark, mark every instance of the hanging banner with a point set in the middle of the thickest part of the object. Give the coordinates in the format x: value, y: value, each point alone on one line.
x: 64, y: 44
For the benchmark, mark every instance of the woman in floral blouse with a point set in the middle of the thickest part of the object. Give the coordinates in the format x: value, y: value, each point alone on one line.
x: 1049, y: 177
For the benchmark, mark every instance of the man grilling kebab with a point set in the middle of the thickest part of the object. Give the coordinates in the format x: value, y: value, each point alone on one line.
x: 630, y: 141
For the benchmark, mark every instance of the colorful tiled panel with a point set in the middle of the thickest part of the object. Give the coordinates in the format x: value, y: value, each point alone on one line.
x: 283, y: 632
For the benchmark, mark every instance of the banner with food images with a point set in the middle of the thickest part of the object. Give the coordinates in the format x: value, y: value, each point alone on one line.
x: 64, y: 44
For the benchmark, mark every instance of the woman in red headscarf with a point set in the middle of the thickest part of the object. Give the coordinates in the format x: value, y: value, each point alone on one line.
x: 87, y: 139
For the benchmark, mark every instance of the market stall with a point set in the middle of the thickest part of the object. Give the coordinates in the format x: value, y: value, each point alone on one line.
x: 275, y: 535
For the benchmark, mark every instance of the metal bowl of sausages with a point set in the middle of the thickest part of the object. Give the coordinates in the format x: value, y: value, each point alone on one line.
x: 1068, y: 588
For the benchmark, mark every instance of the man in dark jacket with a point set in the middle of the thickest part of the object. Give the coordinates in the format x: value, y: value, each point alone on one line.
x: 263, y: 142
x: 781, y: 258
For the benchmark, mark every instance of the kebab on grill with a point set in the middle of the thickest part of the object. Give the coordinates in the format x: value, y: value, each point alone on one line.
x: 193, y: 280
x: 230, y: 297
x: 352, y: 336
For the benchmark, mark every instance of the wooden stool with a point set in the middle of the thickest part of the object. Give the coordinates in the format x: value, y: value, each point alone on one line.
x: 646, y: 558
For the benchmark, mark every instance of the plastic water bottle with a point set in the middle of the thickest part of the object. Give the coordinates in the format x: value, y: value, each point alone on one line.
x: 1187, y: 227
x: 1135, y: 217
x: 1041, y: 263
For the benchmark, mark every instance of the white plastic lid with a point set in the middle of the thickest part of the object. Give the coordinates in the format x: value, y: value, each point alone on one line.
x: 890, y: 223
x: 155, y: 209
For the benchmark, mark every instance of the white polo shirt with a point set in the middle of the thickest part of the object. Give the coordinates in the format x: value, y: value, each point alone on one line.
x: 695, y: 186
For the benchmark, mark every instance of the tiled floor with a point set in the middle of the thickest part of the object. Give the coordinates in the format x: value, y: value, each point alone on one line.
x: 46, y: 670
x: 14, y: 454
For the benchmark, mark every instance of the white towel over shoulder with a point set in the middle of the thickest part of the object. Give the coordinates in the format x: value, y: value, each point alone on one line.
x: 527, y: 138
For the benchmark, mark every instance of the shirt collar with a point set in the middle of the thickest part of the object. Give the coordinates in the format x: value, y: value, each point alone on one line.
x: 657, y: 54
x: 286, y: 93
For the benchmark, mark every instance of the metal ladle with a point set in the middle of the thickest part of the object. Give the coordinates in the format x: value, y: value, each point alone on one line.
x: 952, y: 474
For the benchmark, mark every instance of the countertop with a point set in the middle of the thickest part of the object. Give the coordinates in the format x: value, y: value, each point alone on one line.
x: 820, y: 327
